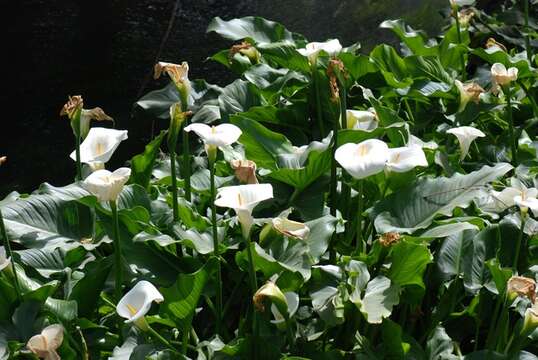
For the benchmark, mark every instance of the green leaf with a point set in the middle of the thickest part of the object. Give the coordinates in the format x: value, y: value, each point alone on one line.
x: 409, y: 261
x: 440, y: 346
x: 415, y: 40
x: 237, y: 97
x: 416, y: 206
x: 379, y: 298
x: 391, y: 65
x: 142, y: 164
x: 495, y: 54
x: 284, y: 54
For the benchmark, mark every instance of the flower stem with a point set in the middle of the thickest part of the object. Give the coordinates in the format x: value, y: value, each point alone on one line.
x: 162, y: 340
x: 319, y: 113
x: 216, y: 252
x: 359, y: 246
x: 185, y: 340
x: 458, y: 30
x: 527, y: 39
x: 253, y: 288
x: 519, y: 241
x: 9, y: 253
x: 118, y: 268
x: 513, y: 140
x: 333, y: 189
x: 175, y: 207
x: 186, y: 163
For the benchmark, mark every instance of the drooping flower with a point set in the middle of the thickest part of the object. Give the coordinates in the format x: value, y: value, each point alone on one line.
x: 312, y: 50
x: 403, y: 159
x: 179, y: 74
x: 243, y: 199
x: 290, y: 228
x: 44, y: 345
x: 415, y: 141
x: 245, y: 171
x: 365, y: 120
x: 5, y: 261
x: 465, y: 135
x: 106, y: 185
x: 73, y: 105
x: 521, y: 286
x: 99, y: 146
x: 134, y: 305
x: 270, y: 291
x: 364, y: 159
x: 518, y: 194
x: 465, y: 16
x: 501, y: 76
x: 74, y: 110
x: 215, y: 136
x: 246, y: 49
x: 468, y: 92
x: 88, y: 115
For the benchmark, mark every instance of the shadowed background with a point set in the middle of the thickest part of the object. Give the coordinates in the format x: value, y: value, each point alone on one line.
x: 104, y: 50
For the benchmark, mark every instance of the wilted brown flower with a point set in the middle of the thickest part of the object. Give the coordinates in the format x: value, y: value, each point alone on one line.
x: 245, y: 171
x: 73, y: 105
x: 522, y: 286
x: 388, y: 239
x: 178, y: 73
x: 246, y: 49
x: 465, y: 16
x: 272, y: 292
x: 97, y: 114
x: 491, y: 42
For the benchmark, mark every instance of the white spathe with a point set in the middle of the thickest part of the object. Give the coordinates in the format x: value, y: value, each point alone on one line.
x: 461, y: 2
x: 293, y: 304
x: 312, y: 50
x: 243, y: 199
x: 402, y: 159
x: 106, y: 185
x: 518, y: 194
x: 415, y: 141
x: 99, y: 146
x: 291, y: 228
x: 220, y: 135
x: 134, y: 305
x: 501, y: 76
x: 465, y: 135
x: 44, y: 345
x: 364, y: 159
x: 4, y: 260
x: 365, y: 120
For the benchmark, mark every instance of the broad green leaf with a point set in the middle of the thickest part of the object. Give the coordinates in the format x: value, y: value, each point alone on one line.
x: 391, y: 65
x: 484, y: 248
x: 409, y: 261
x: 284, y: 54
x: 142, y: 164
x: 454, y: 253
x: 416, y: 206
x: 445, y: 230
x: 237, y: 97
x: 440, y: 346
x: 379, y: 298
x: 495, y: 54
x: 415, y: 40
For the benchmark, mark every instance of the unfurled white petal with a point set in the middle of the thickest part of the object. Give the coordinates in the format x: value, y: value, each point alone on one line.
x: 331, y: 47
x: 527, y: 202
x: 100, y: 144
x: 44, y: 345
x: 4, y: 259
x: 465, y: 135
x: 292, y: 299
x: 415, y: 141
x: 361, y: 120
x: 220, y: 135
x: 106, y: 185
x: 291, y: 228
x: 403, y: 159
x: 506, y: 196
x: 202, y: 130
x: 137, y: 302
x: 364, y: 159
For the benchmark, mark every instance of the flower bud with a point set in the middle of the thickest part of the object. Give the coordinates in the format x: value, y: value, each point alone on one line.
x: 521, y: 286
x: 245, y: 171
x: 270, y: 291
x: 177, y: 118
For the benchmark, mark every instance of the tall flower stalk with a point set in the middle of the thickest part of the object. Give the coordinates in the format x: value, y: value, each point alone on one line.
x: 73, y: 110
x: 177, y: 118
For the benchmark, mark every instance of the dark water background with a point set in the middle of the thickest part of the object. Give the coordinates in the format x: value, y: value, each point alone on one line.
x: 105, y: 49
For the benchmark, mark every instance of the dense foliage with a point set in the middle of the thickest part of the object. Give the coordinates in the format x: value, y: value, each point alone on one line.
x: 389, y: 210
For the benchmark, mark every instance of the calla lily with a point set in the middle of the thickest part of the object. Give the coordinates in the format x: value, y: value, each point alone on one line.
x: 405, y: 158
x: 87, y: 115
x: 362, y: 120
x: 465, y: 135
x: 415, y: 141
x: 521, y: 286
x: 245, y: 171
x: 491, y: 42
x: 273, y: 293
x: 99, y: 146
x: 106, y: 185
x: 465, y: 16
x: 134, y: 305
x: 243, y: 199
x: 44, y: 345
x: 331, y: 47
x: 291, y: 228
x: 364, y: 159
x: 215, y: 136
x: 73, y: 105
x: 530, y: 321
x: 390, y: 238
x: 501, y: 76
x: 468, y: 92
x: 518, y: 194
x: 179, y: 74
x: 246, y: 49
x: 5, y: 261
x: 292, y: 300
x: 454, y: 3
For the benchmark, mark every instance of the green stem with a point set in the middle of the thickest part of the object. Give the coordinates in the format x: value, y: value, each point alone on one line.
x: 462, y: 56
x: 185, y: 340
x: 531, y: 99
x: 333, y: 189
x: 216, y: 246
x: 118, y: 268
x: 319, y: 113
x: 162, y: 340
x: 409, y: 111
x: 513, y: 140
x: 519, y: 241
x: 359, y: 245
x: 291, y: 338
x: 251, y: 269
x: 77, y: 157
x: 527, y: 29
x: 186, y: 163
x: 175, y: 206
x: 9, y: 253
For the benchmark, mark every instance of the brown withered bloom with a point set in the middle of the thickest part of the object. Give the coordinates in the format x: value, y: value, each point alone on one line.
x: 389, y: 239
x: 178, y: 73
x: 246, y: 49
x: 245, y: 171
x: 465, y: 16
x: 97, y: 114
x: 3, y: 159
x: 474, y: 90
x: 271, y: 292
x: 335, y: 66
x: 522, y: 286
x: 491, y: 42
x: 74, y: 104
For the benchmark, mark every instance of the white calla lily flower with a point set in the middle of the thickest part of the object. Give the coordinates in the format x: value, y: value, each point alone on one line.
x: 364, y: 159
x: 415, y: 141
x: 99, y: 145
x: 291, y: 228
x: 44, y: 345
x: 403, y: 159
x: 312, y: 50
x: 365, y: 120
x: 106, y: 185
x: 501, y: 76
x: 243, y: 199
x: 5, y: 261
x: 518, y: 194
x: 468, y: 92
x: 134, y: 305
x: 215, y: 136
x: 293, y: 304
x: 465, y: 135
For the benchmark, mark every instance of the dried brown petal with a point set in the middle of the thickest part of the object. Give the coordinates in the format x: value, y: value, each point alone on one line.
x: 97, y: 114
x: 522, y: 286
x: 245, y: 171
x: 474, y: 90
x: 74, y: 104
x: 178, y: 73
x: 388, y: 239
